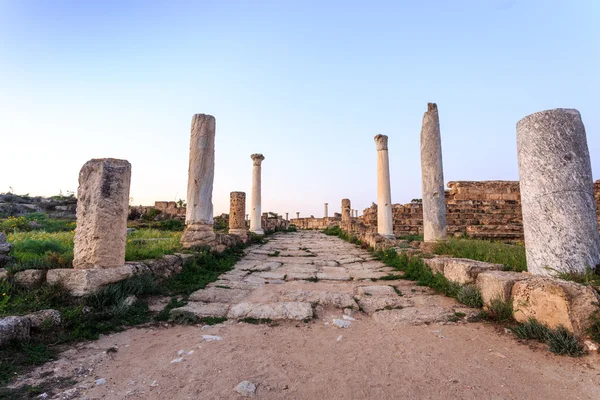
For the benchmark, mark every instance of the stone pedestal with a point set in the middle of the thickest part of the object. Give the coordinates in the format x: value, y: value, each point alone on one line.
x: 432, y: 177
x: 557, y: 193
x: 325, y: 211
x: 346, y: 210
x: 385, y: 225
x: 102, y: 209
x: 255, y: 211
x: 237, y: 211
x: 199, y: 212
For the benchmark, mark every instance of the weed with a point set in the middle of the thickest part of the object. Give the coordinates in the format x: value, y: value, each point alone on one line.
x: 164, y: 314
x: 561, y: 341
x: 470, y: 296
x: 411, y: 238
x: 312, y: 279
x: 390, y: 277
x: 594, y: 326
x: 398, y: 292
x: 500, y: 310
x: 531, y: 329
x: 212, y: 320
x: 274, y: 254
x: 257, y: 321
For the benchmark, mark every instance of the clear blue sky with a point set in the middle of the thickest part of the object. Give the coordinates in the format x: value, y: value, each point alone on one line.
x: 306, y: 83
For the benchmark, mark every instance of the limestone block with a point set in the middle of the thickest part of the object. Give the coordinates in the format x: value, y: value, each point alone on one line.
x: 371, y: 305
x: 165, y: 266
x: 333, y: 274
x: 435, y: 264
x: 201, y: 310
x: 320, y: 297
x: 102, y: 209
x: 81, y: 282
x: 219, y: 295
x: 14, y: 328
x: 198, y: 234
x: 498, y: 284
x: 39, y: 318
x: 275, y: 311
x: 557, y: 193
x: 554, y: 302
x: 463, y: 271
x: 3, y: 273
x: 30, y: 277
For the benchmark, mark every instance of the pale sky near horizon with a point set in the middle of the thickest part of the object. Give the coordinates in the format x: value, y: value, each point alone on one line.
x: 306, y: 83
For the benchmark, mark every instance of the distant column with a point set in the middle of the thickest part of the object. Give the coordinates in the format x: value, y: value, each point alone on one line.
x: 102, y: 209
x: 255, y: 214
x: 297, y: 215
x: 199, y: 211
x: 237, y: 211
x: 557, y: 193
x: 346, y: 210
x: 286, y: 217
x: 326, y: 214
x: 432, y: 177
x: 385, y: 225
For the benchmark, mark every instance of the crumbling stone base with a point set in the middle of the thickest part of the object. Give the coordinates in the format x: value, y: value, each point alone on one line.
x: 197, y: 234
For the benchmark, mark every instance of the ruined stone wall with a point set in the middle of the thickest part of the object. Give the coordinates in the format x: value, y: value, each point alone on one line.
x: 270, y: 223
x: 482, y: 210
x: 316, y: 223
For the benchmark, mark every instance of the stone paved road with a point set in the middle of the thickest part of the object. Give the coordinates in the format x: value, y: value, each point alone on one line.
x: 296, y: 276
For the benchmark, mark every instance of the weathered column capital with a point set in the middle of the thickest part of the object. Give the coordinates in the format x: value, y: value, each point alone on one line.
x: 257, y: 159
x: 381, y: 142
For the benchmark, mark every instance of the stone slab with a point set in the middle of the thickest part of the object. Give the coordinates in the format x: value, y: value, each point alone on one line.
x: 318, y: 297
x: 376, y: 290
x: 219, y: 295
x: 274, y: 311
x: 333, y: 274
x: 464, y: 271
x: 498, y: 284
x: 202, y: 310
x: 370, y: 305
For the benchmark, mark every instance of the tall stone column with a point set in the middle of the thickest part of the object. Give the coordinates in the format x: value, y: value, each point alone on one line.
x: 346, y: 210
x: 199, y: 212
x: 557, y: 193
x: 286, y: 217
x: 102, y: 209
x: 326, y: 214
x: 255, y: 212
x: 385, y: 225
x: 297, y: 215
x: 432, y: 177
x: 237, y: 211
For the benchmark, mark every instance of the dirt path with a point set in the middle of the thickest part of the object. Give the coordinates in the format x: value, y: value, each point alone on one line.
x: 401, y: 341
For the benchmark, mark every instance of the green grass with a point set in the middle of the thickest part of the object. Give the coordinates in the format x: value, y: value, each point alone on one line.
x: 470, y: 296
x: 411, y: 238
x: 47, y: 250
x: 511, y: 256
x: 559, y: 340
x: 36, y: 221
x: 500, y: 310
x: 591, y: 277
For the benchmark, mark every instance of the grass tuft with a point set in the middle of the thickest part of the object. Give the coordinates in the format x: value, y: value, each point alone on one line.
x: 511, y: 256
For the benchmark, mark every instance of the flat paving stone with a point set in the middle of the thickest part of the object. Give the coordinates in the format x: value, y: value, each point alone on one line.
x: 376, y: 290
x: 219, y: 295
x: 333, y: 274
x: 274, y: 311
x: 202, y: 310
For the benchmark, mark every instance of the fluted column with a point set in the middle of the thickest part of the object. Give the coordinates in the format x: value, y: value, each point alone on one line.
x: 199, y: 211
x: 432, y: 177
x: 255, y: 211
x: 557, y: 193
x: 385, y: 225
x: 237, y: 211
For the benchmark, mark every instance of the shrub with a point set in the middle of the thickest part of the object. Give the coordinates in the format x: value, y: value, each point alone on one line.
x: 531, y: 329
x: 561, y: 341
x: 470, y: 296
x: 500, y: 310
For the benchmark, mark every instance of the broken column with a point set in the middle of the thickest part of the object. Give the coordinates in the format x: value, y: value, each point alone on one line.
x: 286, y: 217
x: 326, y: 210
x: 297, y: 215
x: 199, y: 212
x: 346, y: 210
x: 237, y: 211
x: 101, y: 233
x: 102, y: 209
x: 557, y: 193
x: 385, y: 226
x: 255, y: 212
x: 432, y: 177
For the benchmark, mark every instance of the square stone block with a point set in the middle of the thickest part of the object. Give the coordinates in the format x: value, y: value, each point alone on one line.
x: 498, y: 284
x: 81, y: 282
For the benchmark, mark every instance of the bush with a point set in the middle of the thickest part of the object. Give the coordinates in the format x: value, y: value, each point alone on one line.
x: 500, y: 310
x: 470, y: 296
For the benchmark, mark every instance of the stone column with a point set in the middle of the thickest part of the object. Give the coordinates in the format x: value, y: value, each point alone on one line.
x: 255, y: 212
x: 286, y: 217
x: 237, y: 211
x: 557, y: 193
x: 326, y: 214
x: 346, y: 210
x: 102, y: 209
x: 385, y: 225
x: 432, y: 177
x: 297, y: 215
x: 199, y: 212
x: 247, y: 217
